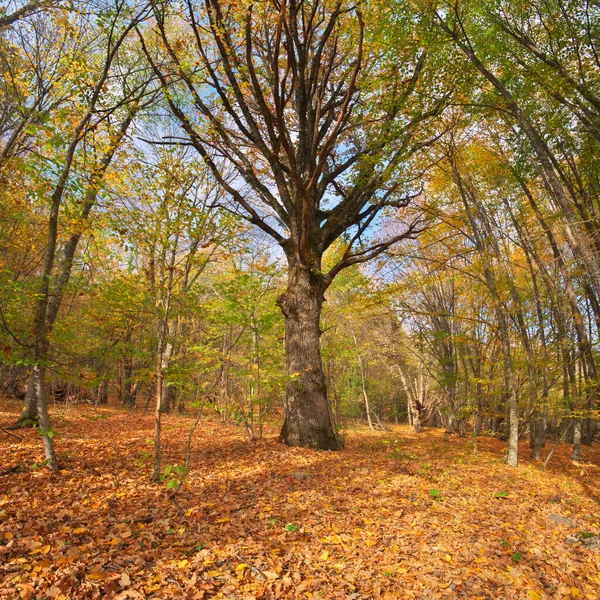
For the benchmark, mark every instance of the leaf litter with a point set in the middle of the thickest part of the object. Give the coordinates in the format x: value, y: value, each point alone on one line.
x: 393, y: 515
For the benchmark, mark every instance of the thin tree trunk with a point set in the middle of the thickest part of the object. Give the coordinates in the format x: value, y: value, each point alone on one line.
x: 502, y: 316
x: 412, y: 403
x: 158, y: 412
x: 162, y: 331
x: 39, y: 378
x: 363, y: 382
x: 576, y: 454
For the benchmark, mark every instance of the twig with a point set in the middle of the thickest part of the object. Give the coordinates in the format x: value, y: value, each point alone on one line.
x: 17, y: 437
x: 558, y: 442
x: 171, y: 496
x: 252, y: 567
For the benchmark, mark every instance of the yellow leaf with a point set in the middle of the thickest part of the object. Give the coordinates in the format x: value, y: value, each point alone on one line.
x: 448, y: 557
x: 533, y: 595
x: 225, y: 520
x: 241, y: 567
x: 45, y: 549
x: 9, y: 535
x: 371, y: 543
x: 270, y: 575
x: 79, y: 530
x: 95, y: 575
x: 576, y: 593
x: 26, y: 591
x: 324, y: 555
x: 183, y: 563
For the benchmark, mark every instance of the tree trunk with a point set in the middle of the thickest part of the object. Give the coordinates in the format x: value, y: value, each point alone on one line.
x: 307, y: 421
x: 157, y: 412
x: 29, y: 413
x: 102, y: 392
x: 576, y: 454
x: 363, y: 381
x: 38, y: 375
x: 166, y: 396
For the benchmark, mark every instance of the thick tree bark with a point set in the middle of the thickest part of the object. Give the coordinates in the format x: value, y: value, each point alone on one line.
x: 307, y: 419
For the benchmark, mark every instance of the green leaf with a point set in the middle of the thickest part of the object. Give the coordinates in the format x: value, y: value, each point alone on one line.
x: 517, y: 556
x: 502, y: 494
x: 292, y: 527
x: 172, y: 484
x: 435, y: 494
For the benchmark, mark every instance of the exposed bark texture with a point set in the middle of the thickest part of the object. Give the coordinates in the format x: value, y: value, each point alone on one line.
x: 308, y: 421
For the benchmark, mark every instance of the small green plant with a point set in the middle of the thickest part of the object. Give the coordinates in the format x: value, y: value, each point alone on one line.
x: 435, y: 494
x: 502, y: 494
x: 142, y: 462
x: 100, y: 416
x: 471, y: 445
x: 505, y: 543
x: 292, y: 527
x: 517, y: 556
x: 49, y: 432
x: 35, y: 466
x: 199, y: 547
x: 174, y: 476
x: 426, y: 468
x: 586, y: 535
x: 400, y: 455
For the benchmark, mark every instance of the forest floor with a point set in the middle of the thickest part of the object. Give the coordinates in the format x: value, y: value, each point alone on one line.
x: 393, y: 515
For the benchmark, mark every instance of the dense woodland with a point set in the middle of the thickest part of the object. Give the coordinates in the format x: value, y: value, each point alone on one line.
x: 400, y: 200
x: 371, y: 227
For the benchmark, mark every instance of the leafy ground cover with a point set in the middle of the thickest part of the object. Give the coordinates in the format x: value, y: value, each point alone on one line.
x: 393, y: 515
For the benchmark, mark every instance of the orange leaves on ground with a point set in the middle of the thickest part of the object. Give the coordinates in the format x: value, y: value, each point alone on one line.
x: 360, y: 523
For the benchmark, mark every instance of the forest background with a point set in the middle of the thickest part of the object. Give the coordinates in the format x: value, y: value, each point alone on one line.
x: 453, y: 230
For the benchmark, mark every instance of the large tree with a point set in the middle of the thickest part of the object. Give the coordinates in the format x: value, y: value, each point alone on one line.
x: 278, y: 93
